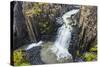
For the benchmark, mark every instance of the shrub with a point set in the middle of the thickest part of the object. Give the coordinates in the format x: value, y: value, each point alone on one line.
x: 18, y: 58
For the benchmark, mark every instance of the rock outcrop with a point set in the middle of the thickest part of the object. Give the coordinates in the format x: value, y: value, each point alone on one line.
x: 20, y: 34
x: 87, y: 28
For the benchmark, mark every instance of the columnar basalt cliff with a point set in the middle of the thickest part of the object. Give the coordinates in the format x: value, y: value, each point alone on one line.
x: 87, y: 28
x: 20, y: 34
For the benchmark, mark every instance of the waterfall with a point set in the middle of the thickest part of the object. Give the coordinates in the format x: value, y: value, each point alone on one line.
x: 61, y: 45
x: 62, y: 42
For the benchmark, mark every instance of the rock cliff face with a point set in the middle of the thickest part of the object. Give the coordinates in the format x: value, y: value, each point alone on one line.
x: 20, y: 34
x: 85, y: 33
x: 87, y: 28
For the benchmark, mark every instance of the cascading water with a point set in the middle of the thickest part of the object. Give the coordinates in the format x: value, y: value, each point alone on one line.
x: 61, y: 45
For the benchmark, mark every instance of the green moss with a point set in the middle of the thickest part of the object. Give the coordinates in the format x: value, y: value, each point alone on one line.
x: 93, y: 49
x: 25, y: 64
x: 89, y: 56
x: 36, y: 11
x: 18, y: 58
x: 45, y: 27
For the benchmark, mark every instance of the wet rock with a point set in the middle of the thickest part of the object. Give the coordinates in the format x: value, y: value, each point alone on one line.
x: 33, y: 55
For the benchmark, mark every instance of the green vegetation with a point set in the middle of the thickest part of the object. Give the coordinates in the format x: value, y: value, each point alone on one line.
x: 34, y: 9
x: 89, y: 56
x: 18, y: 57
x: 43, y: 15
x: 45, y: 27
x: 93, y: 49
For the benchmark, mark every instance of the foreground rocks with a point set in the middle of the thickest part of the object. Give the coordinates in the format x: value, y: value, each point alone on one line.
x: 33, y: 56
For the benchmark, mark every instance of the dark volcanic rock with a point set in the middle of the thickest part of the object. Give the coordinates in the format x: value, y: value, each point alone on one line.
x: 20, y: 35
x: 33, y: 56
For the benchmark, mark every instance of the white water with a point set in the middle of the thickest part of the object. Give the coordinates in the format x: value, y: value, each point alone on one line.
x: 34, y: 45
x: 61, y: 45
